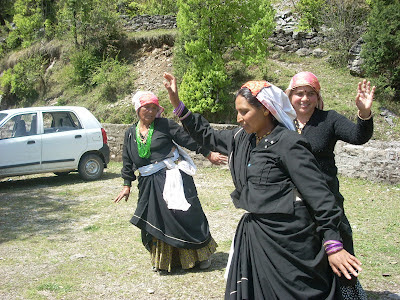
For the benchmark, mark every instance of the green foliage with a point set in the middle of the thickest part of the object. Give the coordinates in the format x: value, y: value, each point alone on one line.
x: 348, y: 19
x: 93, y: 23
x: 210, y: 34
x: 33, y: 20
x: 202, y: 87
x: 84, y: 63
x: 381, y: 51
x: 22, y: 84
x: 148, y: 7
x: 112, y: 79
x: 310, y: 13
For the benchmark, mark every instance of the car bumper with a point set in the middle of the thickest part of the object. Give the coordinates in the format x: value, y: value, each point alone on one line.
x: 105, y: 151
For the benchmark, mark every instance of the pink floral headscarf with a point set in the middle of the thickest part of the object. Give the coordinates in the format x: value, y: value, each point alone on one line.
x: 306, y: 79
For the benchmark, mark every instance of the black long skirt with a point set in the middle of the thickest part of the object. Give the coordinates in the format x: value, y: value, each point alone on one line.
x: 279, y: 257
x: 181, y: 229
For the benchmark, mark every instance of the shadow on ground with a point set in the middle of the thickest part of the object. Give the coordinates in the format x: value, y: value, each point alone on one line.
x: 48, y: 180
x: 28, y: 209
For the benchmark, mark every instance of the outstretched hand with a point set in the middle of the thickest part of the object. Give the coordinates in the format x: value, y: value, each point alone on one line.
x: 217, y: 158
x: 172, y: 89
x: 364, y: 98
x: 343, y: 263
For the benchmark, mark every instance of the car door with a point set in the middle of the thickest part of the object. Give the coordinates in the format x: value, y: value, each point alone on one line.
x: 63, y: 142
x: 20, y: 145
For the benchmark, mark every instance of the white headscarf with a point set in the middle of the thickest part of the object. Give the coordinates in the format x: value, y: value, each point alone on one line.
x: 275, y: 100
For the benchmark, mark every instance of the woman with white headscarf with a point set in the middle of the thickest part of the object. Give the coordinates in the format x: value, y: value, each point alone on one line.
x: 277, y: 252
x: 174, y: 227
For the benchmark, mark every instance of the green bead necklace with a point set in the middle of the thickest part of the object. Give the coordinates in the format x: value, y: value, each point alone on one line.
x: 144, y: 147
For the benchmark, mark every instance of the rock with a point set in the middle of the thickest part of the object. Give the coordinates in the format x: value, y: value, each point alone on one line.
x: 319, y: 53
x: 303, y: 52
x: 355, y: 62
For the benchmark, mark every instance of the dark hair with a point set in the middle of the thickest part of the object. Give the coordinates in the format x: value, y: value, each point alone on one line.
x: 251, y: 99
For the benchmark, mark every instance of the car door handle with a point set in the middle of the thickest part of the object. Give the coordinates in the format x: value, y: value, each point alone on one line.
x: 31, y: 142
x: 78, y: 136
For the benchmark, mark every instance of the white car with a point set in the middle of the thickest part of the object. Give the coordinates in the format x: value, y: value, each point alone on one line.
x: 57, y: 139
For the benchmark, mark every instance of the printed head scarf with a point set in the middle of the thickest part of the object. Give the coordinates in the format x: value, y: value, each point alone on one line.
x: 306, y: 79
x: 142, y: 98
x: 273, y: 99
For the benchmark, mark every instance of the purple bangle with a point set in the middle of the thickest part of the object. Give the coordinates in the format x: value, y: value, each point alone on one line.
x: 179, y: 109
x: 334, y: 250
x: 330, y: 242
x: 333, y: 246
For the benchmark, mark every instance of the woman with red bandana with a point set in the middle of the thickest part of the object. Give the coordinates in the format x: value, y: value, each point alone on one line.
x: 277, y: 251
x: 323, y: 129
x: 174, y: 227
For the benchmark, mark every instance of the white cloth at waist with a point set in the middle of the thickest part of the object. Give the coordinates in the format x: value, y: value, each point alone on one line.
x: 173, y: 193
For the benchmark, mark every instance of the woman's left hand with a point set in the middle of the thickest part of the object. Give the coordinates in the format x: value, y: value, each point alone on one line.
x: 342, y: 262
x: 364, y: 98
x: 217, y: 158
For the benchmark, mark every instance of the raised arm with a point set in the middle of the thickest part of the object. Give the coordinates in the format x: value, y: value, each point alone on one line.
x: 364, y: 98
x: 172, y: 88
x: 198, y: 127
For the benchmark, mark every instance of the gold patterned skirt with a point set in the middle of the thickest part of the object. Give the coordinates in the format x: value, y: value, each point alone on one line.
x: 165, y: 257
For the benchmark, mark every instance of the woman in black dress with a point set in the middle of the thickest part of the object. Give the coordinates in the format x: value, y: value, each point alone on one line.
x: 277, y: 251
x: 174, y: 227
x: 322, y: 129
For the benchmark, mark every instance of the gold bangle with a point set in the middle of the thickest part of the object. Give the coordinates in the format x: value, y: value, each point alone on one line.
x: 367, y: 118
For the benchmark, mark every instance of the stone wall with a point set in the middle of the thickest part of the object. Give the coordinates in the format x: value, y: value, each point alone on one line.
x: 148, y: 22
x: 286, y: 37
x: 376, y: 160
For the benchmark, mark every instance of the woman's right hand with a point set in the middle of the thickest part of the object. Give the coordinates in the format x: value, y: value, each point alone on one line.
x: 124, y: 193
x: 172, y: 89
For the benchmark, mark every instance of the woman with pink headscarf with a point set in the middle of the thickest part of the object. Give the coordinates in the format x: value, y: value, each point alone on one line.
x: 322, y: 129
x: 173, y: 225
x: 290, y: 225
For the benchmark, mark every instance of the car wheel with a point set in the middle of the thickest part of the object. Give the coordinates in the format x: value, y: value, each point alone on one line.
x: 91, y: 167
x: 61, y: 173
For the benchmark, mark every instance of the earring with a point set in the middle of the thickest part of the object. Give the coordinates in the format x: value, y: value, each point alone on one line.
x: 266, y: 112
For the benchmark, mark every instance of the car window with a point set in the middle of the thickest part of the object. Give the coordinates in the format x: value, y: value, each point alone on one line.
x: 60, y: 121
x: 2, y: 116
x: 20, y: 125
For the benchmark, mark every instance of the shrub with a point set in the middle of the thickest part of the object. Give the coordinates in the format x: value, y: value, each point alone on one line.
x: 210, y: 34
x: 84, y: 63
x: 310, y: 13
x: 346, y: 20
x: 381, y: 51
x: 112, y: 78
x: 23, y: 83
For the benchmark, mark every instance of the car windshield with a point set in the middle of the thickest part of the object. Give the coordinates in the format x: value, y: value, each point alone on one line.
x: 2, y: 116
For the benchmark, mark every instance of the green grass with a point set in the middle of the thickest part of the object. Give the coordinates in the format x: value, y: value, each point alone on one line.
x: 63, y: 238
